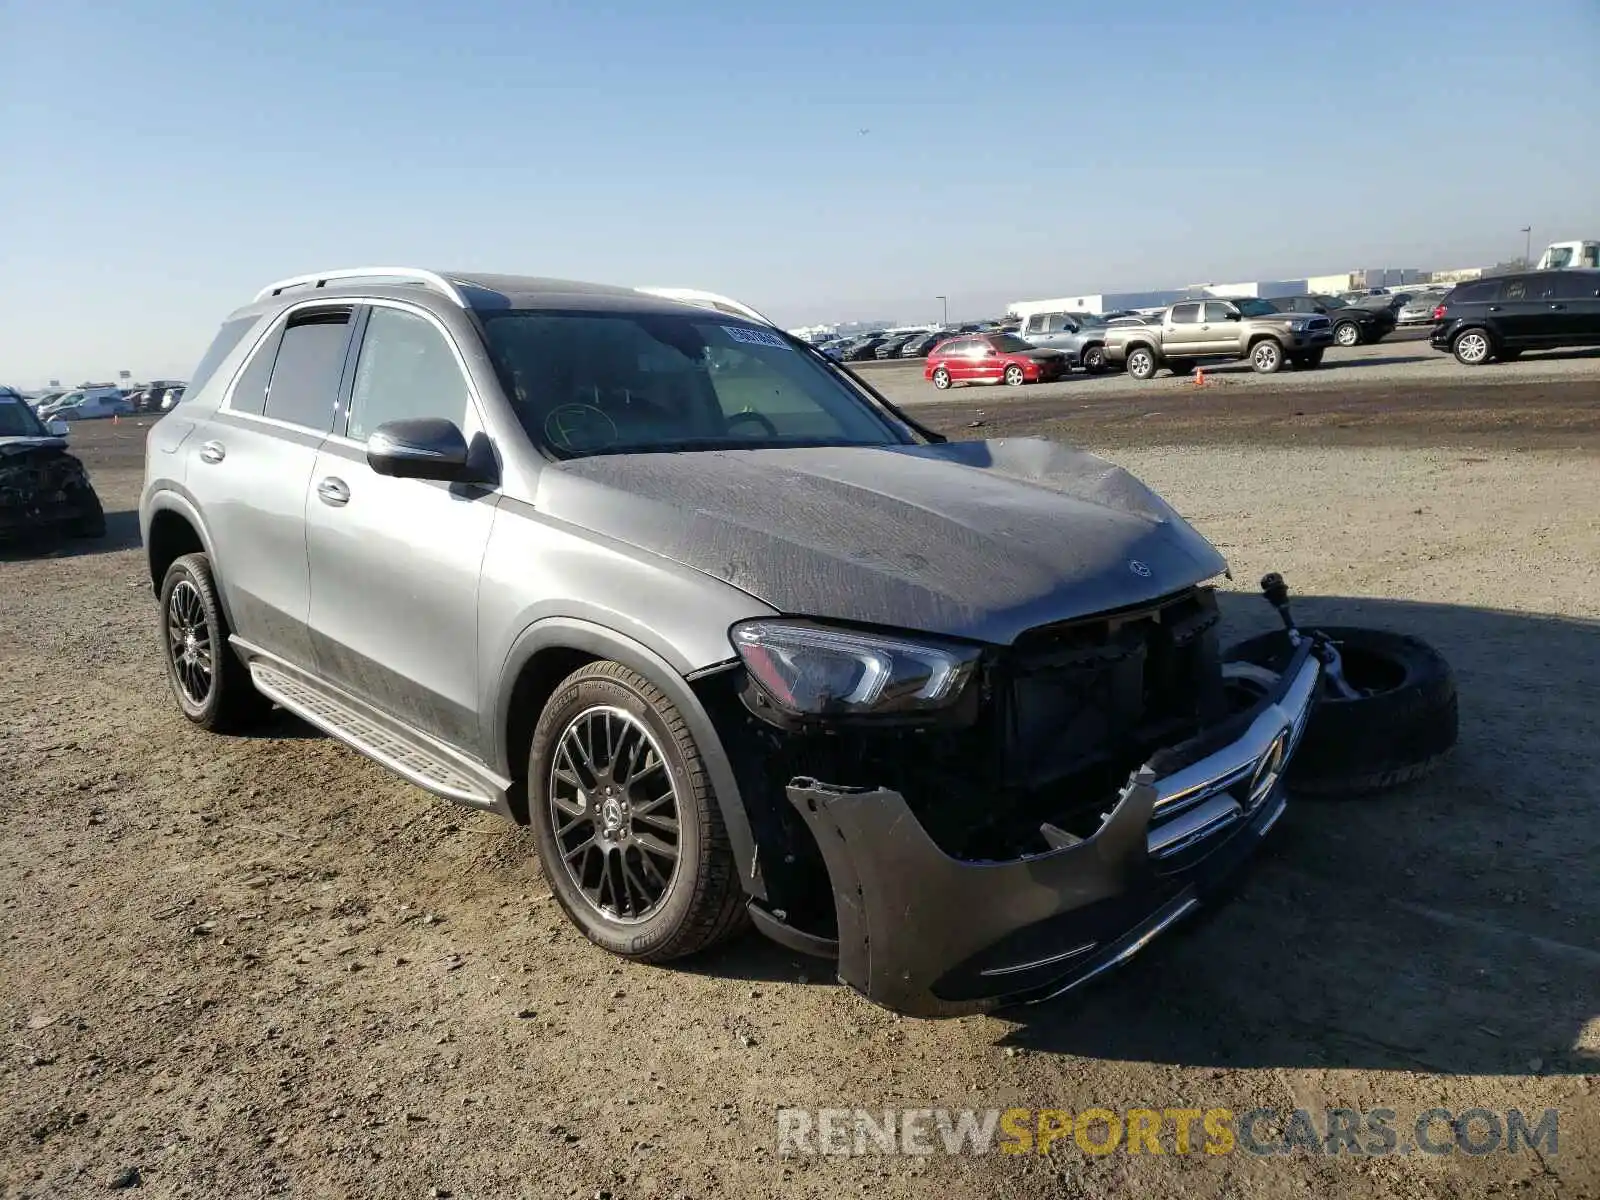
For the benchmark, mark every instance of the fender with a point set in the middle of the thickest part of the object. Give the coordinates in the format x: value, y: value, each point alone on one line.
x: 170, y: 497
x: 571, y: 633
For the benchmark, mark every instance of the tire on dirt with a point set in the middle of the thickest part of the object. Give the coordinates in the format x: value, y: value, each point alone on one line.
x: 91, y: 520
x: 705, y: 904
x: 232, y: 705
x: 1394, y: 736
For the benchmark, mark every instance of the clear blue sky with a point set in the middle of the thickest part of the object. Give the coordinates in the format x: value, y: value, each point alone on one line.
x: 162, y: 159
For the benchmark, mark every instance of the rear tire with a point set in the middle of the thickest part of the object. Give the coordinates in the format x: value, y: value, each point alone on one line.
x: 1142, y: 363
x: 602, y: 884
x: 1014, y: 376
x: 941, y: 379
x: 1400, y: 732
x: 211, y: 684
x: 1094, y: 359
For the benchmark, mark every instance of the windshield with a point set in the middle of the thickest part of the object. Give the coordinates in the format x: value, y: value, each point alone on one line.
x: 1009, y: 343
x: 608, y: 383
x: 17, y: 419
x: 1557, y: 258
x: 1251, y: 307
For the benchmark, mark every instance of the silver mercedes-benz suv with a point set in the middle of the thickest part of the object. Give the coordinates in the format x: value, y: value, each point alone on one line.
x: 737, y: 637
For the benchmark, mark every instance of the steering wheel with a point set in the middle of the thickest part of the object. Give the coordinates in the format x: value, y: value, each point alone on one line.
x: 579, y: 427
x: 751, y: 415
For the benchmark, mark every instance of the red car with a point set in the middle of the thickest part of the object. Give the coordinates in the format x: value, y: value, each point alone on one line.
x: 992, y: 358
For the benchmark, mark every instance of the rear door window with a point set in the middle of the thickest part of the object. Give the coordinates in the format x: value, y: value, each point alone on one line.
x: 1514, y: 289
x: 1185, y: 314
x: 305, y: 375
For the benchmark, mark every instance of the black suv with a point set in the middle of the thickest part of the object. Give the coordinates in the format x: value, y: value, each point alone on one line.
x: 1500, y: 318
x: 1353, y: 324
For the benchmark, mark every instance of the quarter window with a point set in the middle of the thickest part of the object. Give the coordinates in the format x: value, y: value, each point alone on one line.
x: 406, y: 370
x: 1514, y: 289
x: 305, y: 376
x: 250, y: 389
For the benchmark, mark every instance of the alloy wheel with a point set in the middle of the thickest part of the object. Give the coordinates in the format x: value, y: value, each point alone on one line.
x: 614, y: 811
x: 1472, y: 347
x: 1014, y: 376
x: 1265, y: 356
x: 1347, y: 334
x: 189, y: 642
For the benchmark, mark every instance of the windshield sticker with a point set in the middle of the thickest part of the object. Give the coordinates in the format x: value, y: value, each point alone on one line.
x: 756, y: 337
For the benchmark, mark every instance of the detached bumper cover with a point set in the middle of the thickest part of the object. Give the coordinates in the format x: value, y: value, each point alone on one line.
x: 929, y: 935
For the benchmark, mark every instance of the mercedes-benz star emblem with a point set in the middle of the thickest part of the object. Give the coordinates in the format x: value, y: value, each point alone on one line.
x: 1268, y: 768
x: 1141, y: 569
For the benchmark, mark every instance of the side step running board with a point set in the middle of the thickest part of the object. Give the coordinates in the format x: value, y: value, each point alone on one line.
x: 406, y: 756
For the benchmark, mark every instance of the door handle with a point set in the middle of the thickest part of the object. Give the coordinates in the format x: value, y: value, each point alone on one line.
x: 1558, y: 306
x: 1494, y: 308
x: 213, y: 452
x: 334, y: 491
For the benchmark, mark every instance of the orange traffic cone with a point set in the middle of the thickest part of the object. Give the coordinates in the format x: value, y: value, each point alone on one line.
x: 1199, y: 377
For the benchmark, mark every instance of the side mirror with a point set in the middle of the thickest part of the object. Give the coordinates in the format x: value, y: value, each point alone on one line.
x: 57, y: 428
x: 422, y: 448
x: 1235, y: 316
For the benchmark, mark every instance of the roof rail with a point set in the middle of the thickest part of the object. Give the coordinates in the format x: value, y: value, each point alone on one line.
x: 707, y: 300
x: 429, y: 279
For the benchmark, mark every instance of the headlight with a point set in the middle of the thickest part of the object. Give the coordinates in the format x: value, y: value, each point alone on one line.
x: 814, y: 669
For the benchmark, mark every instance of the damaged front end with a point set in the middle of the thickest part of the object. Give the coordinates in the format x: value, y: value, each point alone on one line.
x: 43, y: 488
x: 1092, y: 782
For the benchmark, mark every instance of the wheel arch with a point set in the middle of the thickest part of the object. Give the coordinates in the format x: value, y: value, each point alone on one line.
x: 172, y: 528
x: 551, y: 649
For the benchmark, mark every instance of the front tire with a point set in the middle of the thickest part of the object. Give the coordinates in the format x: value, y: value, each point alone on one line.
x: 1347, y: 333
x: 1266, y: 357
x: 628, y: 829
x: 1094, y: 359
x: 941, y: 379
x: 212, y: 686
x: 91, y: 521
x: 1014, y: 376
x: 1472, y: 347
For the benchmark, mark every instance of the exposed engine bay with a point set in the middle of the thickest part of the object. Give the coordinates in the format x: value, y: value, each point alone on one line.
x: 1032, y: 759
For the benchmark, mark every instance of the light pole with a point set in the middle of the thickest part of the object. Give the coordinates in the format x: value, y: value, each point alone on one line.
x: 1527, y: 246
x: 944, y: 315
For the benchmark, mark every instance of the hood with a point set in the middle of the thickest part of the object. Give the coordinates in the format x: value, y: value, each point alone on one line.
x: 20, y: 443
x: 980, y: 540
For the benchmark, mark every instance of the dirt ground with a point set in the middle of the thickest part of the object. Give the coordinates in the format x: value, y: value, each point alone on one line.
x: 262, y: 966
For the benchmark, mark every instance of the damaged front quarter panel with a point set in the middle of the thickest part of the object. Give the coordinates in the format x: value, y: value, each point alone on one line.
x: 40, y: 485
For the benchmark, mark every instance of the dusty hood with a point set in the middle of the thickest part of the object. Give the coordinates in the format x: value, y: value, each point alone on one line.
x: 973, y: 539
x: 19, y: 444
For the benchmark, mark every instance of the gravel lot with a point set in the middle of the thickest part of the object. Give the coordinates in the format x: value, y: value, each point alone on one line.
x: 262, y: 966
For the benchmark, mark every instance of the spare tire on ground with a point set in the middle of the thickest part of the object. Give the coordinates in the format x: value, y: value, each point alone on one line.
x: 1400, y: 728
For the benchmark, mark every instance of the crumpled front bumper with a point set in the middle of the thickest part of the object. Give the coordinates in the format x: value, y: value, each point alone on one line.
x: 929, y: 935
